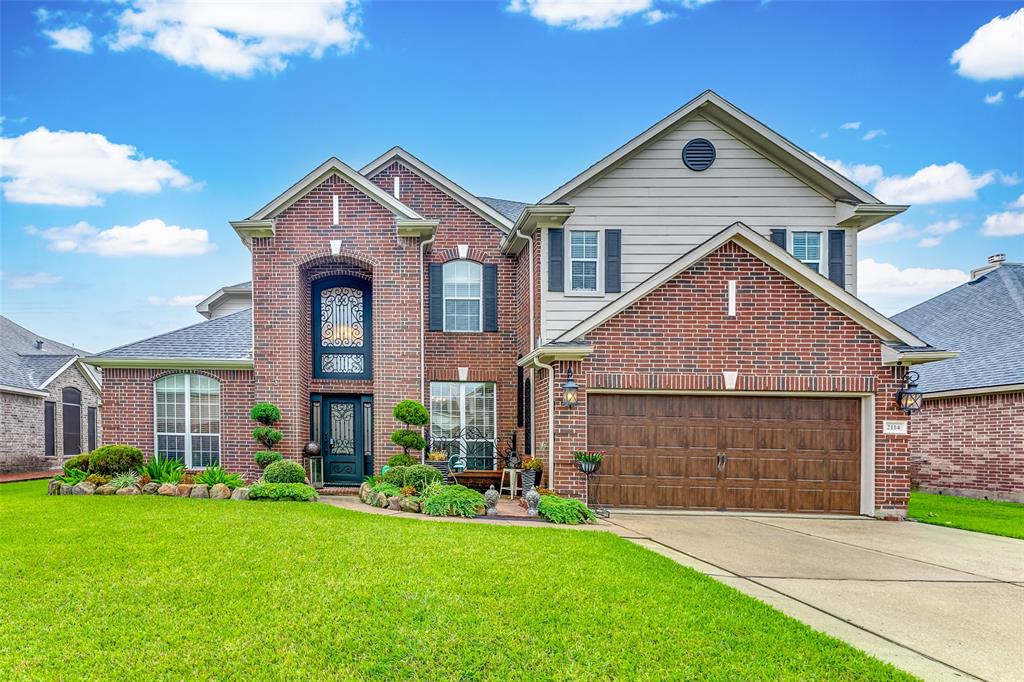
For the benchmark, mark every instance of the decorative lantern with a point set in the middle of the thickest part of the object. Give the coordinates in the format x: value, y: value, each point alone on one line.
x: 532, y: 502
x: 909, y: 396
x: 314, y: 464
x: 570, y: 391
x: 491, y: 501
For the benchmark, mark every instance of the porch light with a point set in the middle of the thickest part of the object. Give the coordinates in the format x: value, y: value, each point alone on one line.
x: 909, y: 397
x: 570, y: 391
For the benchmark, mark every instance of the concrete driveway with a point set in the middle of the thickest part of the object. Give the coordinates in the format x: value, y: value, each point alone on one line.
x: 938, y: 602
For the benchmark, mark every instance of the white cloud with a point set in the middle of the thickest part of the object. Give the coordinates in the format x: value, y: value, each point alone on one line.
x: 151, y: 237
x: 582, y: 15
x: 890, y: 289
x: 1020, y: 95
x: 944, y: 227
x: 238, y: 39
x: 851, y: 125
x: 823, y: 136
x: 994, y: 99
x: 64, y: 168
x: 933, y: 184
x: 656, y: 16
x: 74, y: 38
x: 1018, y: 203
x: 996, y: 50
x: 30, y: 280
x: 1005, y: 224
x: 888, y: 231
x: 176, y: 300
x: 862, y: 174
x: 872, y: 134
x: 929, y: 242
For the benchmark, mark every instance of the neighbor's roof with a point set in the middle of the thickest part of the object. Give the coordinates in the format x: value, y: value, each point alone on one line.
x: 227, y: 338
x: 506, y: 207
x: 984, y: 320
x: 23, y: 365
x: 203, y: 307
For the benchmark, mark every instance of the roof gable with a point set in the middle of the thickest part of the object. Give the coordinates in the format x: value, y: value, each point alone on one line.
x: 746, y: 128
x: 469, y: 200
x: 780, y: 260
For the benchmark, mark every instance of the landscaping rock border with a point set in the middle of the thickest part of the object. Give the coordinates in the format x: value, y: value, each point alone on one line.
x: 199, y: 490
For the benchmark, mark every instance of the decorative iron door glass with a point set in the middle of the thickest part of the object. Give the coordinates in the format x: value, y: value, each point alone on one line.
x: 342, y: 444
x: 341, y: 328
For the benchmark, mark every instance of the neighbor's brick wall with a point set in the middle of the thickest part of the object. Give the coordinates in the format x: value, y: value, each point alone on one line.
x: 971, y: 445
x: 72, y: 377
x: 128, y: 403
x: 783, y: 338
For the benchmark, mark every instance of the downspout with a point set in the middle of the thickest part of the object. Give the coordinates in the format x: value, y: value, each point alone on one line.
x: 423, y: 351
x: 551, y: 421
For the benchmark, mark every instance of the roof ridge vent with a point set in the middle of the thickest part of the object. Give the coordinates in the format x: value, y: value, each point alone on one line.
x: 994, y: 261
x: 39, y: 344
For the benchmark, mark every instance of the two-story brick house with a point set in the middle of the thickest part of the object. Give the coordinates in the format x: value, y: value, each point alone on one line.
x: 697, y: 284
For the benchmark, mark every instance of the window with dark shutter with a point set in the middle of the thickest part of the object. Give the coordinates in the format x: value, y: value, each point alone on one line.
x: 490, y: 298
x: 92, y: 429
x: 50, y: 428
x: 556, y: 259
x: 612, y: 261
x: 779, y: 238
x: 837, y: 256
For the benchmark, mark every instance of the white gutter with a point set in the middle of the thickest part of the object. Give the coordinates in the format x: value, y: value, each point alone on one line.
x: 529, y: 253
x: 23, y: 391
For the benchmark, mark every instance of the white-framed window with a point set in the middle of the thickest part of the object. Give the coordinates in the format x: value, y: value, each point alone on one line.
x: 583, y: 260
x: 463, y: 296
x: 462, y: 420
x: 807, y: 249
x: 187, y: 419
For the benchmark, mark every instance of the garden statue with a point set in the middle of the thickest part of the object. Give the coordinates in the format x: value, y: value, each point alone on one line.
x: 491, y: 501
x: 532, y: 501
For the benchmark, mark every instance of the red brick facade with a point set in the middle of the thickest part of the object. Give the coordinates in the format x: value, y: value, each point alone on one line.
x: 782, y: 339
x: 971, y: 445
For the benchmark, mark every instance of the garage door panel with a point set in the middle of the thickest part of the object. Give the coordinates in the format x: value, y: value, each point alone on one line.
x: 701, y: 437
x: 805, y: 469
x: 701, y: 467
x: 740, y: 438
x: 811, y: 440
x: 773, y: 468
x: 772, y: 499
x: 844, y: 501
x: 671, y: 464
x: 633, y: 495
x: 632, y: 464
x: 772, y: 439
x: 809, y: 500
x: 739, y: 468
x: 843, y: 441
x: 843, y: 470
x: 739, y: 498
x: 702, y: 497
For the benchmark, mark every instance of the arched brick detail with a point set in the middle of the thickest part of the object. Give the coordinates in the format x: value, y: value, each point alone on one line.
x: 473, y: 253
x: 325, y: 257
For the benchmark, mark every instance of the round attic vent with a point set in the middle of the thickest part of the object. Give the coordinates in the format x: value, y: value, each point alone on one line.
x: 699, y: 154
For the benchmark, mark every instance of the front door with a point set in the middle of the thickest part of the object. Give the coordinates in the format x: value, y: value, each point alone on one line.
x: 342, y: 441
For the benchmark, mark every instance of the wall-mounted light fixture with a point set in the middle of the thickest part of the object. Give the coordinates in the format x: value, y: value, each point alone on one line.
x: 909, y: 396
x: 570, y: 391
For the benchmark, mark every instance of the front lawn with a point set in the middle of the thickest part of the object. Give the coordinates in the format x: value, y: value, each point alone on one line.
x: 155, y: 587
x: 984, y: 516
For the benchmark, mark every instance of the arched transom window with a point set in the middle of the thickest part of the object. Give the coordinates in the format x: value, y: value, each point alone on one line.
x: 187, y: 416
x: 463, y: 296
x: 341, y: 328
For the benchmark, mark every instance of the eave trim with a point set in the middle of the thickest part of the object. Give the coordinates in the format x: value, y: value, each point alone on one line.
x: 549, y: 354
x: 170, y: 363
x: 981, y: 390
x: 4, y: 388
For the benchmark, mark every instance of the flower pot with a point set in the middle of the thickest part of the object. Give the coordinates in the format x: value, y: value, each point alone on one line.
x: 442, y: 468
x: 588, y: 467
x: 529, y: 478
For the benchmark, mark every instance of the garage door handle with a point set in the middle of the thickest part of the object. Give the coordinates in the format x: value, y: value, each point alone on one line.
x: 721, y: 461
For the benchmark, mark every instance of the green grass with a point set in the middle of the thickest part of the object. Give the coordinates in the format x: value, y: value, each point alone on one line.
x: 983, y: 516
x: 166, y: 588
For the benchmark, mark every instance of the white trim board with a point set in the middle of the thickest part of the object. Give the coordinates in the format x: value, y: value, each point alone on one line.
x: 778, y: 258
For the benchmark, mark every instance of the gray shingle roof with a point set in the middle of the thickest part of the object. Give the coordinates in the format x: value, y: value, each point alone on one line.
x: 22, y: 364
x: 506, y: 207
x: 984, y: 320
x: 224, y: 338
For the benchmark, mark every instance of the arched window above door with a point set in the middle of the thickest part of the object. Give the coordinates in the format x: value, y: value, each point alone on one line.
x: 342, y: 328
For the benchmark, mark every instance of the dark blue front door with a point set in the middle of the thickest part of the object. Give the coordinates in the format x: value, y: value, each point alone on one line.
x: 342, y: 441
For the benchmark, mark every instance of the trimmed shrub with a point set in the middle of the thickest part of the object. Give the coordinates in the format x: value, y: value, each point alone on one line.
x: 265, y: 457
x: 80, y: 462
x: 115, y: 459
x: 389, y: 489
x: 564, y: 510
x: 395, y: 476
x: 97, y: 479
x: 267, y: 414
x: 71, y: 476
x: 284, y: 471
x: 454, y: 500
x: 410, y: 413
x: 298, y: 492
x: 401, y: 460
x: 420, y: 476
x: 213, y: 475
x: 267, y: 436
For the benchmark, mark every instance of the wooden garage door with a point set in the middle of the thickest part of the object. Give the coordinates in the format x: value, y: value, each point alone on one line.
x: 727, y: 453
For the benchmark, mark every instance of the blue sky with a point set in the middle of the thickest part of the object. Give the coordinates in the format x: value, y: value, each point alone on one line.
x: 134, y: 132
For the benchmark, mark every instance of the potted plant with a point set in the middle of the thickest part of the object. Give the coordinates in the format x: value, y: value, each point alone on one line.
x: 532, y: 468
x: 589, y: 461
x: 439, y: 460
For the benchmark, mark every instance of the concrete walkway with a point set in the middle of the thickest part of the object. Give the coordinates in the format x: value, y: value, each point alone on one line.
x: 941, y: 603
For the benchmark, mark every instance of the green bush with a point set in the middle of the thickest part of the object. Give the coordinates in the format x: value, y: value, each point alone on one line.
x: 401, y: 460
x: 265, y: 457
x: 78, y: 462
x: 564, y: 510
x: 454, y: 500
x: 420, y: 476
x: 389, y: 489
x: 124, y: 479
x: 284, y: 471
x: 431, y: 490
x: 411, y: 412
x: 213, y: 475
x: 164, y: 470
x: 408, y: 440
x: 299, y: 492
x: 395, y: 476
x: 115, y: 459
x: 268, y: 436
x: 71, y: 476
x: 267, y: 414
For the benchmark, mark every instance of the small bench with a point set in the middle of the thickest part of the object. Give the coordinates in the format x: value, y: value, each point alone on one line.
x: 478, y: 479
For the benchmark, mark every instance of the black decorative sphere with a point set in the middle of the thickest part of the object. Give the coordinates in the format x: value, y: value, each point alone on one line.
x: 312, y: 449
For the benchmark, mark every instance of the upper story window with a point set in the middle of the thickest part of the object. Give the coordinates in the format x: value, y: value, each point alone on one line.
x: 187, y: 418
x: 463, y: 296
x: 807, y: 249
x: 583, y: 260
x: 342, y: 328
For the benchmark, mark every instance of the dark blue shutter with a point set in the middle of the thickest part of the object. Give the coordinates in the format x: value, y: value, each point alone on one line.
x: 436, y: 285
x: 837, y: 256
x: 779, y: 238
x: 49, y: 428
x: 612, y: 261
x: 556, y: 259
x: 490, y: 298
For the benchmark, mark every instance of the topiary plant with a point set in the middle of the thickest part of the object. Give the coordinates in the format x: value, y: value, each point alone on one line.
x: 267, y: 435
x: 115, y: 459
x: 265, y: 457
x: 395, y: 476
x: 267, y: 414
x: 410, y: 413
x: 401, y: 460
x: 284, y: 471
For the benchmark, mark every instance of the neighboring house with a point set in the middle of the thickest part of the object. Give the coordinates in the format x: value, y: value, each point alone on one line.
x: 49, y: 401
x: 969, y: 436
x: 226, y: 300
x: 698, y: 285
